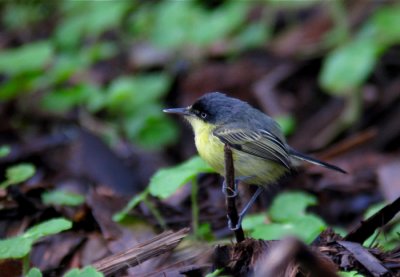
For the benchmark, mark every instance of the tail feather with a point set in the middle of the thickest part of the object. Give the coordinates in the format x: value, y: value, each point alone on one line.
x: 309, y: 159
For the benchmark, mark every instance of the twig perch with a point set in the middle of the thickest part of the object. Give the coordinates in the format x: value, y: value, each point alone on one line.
x: 231, y: 201
x: 149, y: 249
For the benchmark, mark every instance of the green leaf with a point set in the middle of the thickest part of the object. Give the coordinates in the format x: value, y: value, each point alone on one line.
x: 173, y: 24
x: 127, y: 94
x: 384, y: 25
x: 350, y: 274
x: 88, y: 271
x: 88, y: 18
x: 49, y: 227
x: 373, y: 209
x: 272, y: 231
x: 29, y: 57
x: 15, y: 248
x: 18, y: 85
x: 216, y: 273
x: 62, y: 100
x: 4, y: 151
x: 18, y: 174
x: 205, y: 232
x: 166, y: 181
x: 131, y: 205
x: 347, y: 67
x: 289, y: 206
x: 63, y: 198
x: 20, y: 246
x: 22, y: 15
x: 157, y: 132
x: 254, y: 35
x: 251, y: 221
x: 34, y: 272
x: 305, y: 228
x: 308, y: 227
x: 287, y: 123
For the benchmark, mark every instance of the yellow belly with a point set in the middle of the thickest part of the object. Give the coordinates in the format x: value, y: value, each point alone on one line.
x: 211, y: 150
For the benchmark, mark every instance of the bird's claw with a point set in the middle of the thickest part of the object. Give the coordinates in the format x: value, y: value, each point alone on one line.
x: 237, y: 226
x: 231, y: 193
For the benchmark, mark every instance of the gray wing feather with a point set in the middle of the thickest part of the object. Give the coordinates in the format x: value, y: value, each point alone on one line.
x: 258, y: 142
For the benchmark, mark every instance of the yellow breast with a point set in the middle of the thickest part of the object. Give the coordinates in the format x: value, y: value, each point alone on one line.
x: 211, y: 150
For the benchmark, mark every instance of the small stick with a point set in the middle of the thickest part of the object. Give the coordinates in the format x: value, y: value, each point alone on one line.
x: 366, y: 228
x: 231, y: 201
x: 140, y: 253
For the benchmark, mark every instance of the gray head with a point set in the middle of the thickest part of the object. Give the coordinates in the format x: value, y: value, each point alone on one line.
x: 215, y: 107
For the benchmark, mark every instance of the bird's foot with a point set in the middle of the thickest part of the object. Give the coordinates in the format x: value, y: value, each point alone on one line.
x: 237, y: 226
x: 231, y: 193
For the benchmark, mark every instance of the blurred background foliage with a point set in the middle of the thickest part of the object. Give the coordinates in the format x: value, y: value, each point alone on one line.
x: 118, y: 60
x: 327, y: 71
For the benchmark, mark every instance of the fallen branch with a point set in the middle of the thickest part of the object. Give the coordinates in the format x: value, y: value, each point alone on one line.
x: 366, y: 228
x: 364, y: 257
x: 231, y: 201
x: 154, y: 247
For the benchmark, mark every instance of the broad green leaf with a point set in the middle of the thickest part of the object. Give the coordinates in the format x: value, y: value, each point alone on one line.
x: 166, y: 181
x: 306, y: 228
x: 219, y: 23
x: 272, y: 231
x: 62, y: 198
x: 173, y: 24
x: 20, y: 246
x: 15, y: 248
x: 251, y: 221
x: 254, y: 35
x: 88, y: 18
x: 384, y: 25
x: 157, y: 132
x: 88, y: 271
x: 4, y: 151
x: 347, y: 67
x: 34, y: 272
x: 29, y: 57
x: 17, y: 16
x: 62, y: 100
x: 18, y: 85
x: 131, y: 205
x: 49, y: 227
x: 149, y: 127
x: 18, y: 174
x: 128, y: 94
x: 290, y: 206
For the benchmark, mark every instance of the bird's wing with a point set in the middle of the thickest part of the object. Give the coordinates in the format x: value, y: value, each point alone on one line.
x: 258, y: 142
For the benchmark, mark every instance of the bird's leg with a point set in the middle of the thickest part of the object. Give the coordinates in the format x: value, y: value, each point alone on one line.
x: 233, y: 193
x: 259, y: 190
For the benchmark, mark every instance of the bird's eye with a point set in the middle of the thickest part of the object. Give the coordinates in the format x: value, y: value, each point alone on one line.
x: 203, y: 115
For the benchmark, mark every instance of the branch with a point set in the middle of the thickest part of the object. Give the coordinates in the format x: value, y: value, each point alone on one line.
x: 366, y: 228
x: 154, y: 247
x: 231, y: 201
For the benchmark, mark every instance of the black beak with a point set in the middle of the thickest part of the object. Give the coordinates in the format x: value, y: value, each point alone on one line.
x: 180, y: 111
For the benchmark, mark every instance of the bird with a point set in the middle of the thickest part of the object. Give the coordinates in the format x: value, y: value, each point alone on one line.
x: 261, y: 155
